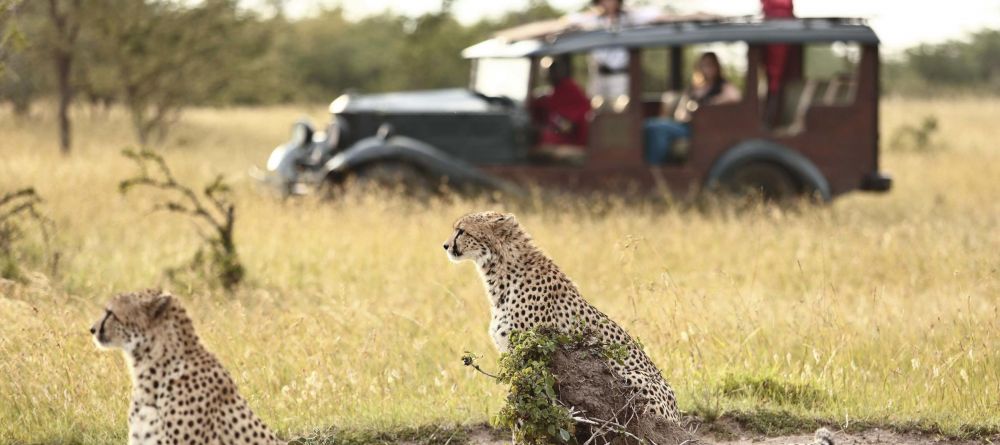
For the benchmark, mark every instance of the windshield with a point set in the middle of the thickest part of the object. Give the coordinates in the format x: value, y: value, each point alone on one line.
x: 502, y: 77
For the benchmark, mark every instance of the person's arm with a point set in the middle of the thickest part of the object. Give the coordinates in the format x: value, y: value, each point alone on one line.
x: 586, y: 20
x: 729, y: 94
x: 685, y: 106
x: 652, y: 15
x: 534, y: 30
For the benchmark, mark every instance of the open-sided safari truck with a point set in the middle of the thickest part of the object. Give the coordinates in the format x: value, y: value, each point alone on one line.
x: 814, y: 133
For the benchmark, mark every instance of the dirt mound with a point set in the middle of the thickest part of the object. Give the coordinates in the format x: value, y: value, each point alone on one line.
x: 585, y: 383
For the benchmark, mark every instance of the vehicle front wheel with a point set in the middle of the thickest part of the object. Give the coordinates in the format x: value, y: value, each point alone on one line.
x: 392, y: 175
x: 766, y: 180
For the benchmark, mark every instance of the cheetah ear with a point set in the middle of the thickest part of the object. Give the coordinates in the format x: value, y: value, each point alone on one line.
x: 159, y: 306
x: 507, y: 219
x: 505, y: 224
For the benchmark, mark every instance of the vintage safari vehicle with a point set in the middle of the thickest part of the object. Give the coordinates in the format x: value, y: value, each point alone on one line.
x: 817, y: 136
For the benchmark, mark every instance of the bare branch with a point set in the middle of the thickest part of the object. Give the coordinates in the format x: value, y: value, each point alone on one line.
x: 26, y: 202
x: 218, y: 212
x: 23, y: 193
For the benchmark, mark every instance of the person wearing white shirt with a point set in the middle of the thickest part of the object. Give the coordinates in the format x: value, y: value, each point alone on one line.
x: 609, y: 66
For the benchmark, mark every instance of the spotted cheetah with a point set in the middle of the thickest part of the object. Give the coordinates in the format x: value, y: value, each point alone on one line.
x: 526, y: 289
x: 181, y: 394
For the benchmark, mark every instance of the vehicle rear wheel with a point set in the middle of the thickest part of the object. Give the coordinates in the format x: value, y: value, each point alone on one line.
x: 762, y: 179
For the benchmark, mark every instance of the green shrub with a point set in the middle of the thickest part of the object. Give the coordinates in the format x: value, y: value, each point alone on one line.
x: 533, y: 411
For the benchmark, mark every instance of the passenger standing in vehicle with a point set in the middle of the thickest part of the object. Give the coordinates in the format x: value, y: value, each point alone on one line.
x: 562, y: 114
x: 609, y: 66
x: 708, y: 87
x: 782, y: 62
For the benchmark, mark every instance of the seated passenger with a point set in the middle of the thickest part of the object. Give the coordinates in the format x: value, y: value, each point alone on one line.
x: 609, y: 66
x: 562, y: 115
x: 708, y: 87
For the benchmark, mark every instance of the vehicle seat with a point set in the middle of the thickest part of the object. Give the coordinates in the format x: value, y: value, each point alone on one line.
x: 840, y: 90
x: 798, y: 98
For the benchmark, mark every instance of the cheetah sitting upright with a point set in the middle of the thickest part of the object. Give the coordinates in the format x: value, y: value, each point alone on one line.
x: 526, y: 289
x: 180, y: 393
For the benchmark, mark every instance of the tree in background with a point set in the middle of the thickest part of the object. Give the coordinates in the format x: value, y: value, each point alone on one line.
x: 9, y: 33
x: 165, y: 56
x: 328, y: 54
x: 12, y: 44
x: 431, y: 52
x: 63, y: 30
x: 155, y: 57
x: 972, y: 64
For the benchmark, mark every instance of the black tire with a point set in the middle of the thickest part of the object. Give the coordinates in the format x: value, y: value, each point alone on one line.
x: 766, y: 180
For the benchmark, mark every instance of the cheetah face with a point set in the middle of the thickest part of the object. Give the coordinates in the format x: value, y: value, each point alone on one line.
x: 127, y: 318
x: 463, y: 246
x: 110, y: 332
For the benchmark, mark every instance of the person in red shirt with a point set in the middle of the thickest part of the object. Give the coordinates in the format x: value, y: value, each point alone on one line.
x: 778, y: 8
x: 779, y: 59
x: 562, y: 115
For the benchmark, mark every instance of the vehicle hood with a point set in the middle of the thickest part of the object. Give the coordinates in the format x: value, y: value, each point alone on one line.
x: 431, y: 101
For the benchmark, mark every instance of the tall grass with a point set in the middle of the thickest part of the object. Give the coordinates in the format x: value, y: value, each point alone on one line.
x: 880, y: 308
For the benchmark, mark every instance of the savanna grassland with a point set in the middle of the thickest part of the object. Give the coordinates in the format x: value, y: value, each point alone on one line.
x: 877, y: 308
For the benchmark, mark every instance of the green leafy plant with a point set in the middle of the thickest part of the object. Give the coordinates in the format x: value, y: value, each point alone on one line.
x: 212, y: 207
x: 533, y: 410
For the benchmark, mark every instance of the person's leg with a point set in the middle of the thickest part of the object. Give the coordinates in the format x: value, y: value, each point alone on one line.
x: 660, y: 136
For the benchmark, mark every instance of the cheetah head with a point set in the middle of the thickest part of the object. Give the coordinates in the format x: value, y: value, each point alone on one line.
x: 479, y: 235
x: 132, y: 318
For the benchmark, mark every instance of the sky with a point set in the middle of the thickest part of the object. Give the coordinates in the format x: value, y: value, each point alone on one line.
x: 900, y: 23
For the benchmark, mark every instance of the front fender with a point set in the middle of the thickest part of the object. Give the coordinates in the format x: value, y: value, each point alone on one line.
x: 757, y: 150
x: 412, y: 151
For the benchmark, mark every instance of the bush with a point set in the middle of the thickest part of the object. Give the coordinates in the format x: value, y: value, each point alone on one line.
x: 563, y: 391
x: 212, y: 207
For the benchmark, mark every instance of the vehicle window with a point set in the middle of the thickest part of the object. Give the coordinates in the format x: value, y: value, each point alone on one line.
x: 732, y: 56
x: 655, y: 72
x: 502, y: 77
x: 821, y: 74
x: 833, y: 69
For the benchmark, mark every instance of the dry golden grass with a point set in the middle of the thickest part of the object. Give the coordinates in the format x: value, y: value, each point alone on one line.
x: 888, y: 305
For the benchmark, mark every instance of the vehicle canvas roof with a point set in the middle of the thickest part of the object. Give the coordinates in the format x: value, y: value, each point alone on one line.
x: 751, y: 31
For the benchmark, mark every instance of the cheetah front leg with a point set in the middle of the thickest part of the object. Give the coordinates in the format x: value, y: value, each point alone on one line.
x: 500, y: 333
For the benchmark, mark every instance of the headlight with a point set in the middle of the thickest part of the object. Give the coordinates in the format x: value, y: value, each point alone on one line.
x: 301, y: 134
x: 340, y: 104
x: 277, y: 155
x: 335, y: 131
